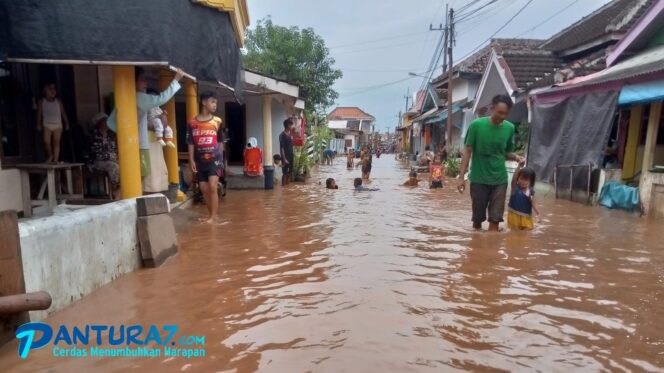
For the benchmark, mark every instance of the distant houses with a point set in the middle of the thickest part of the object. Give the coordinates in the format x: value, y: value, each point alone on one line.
x: 352, y: 125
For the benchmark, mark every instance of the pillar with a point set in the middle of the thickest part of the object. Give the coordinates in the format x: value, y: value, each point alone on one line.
x: 191, y: 99
x: 632, y: 144
x: 267, y: 131
x: 651, y: 136
x: 170, y: 154
x: 124, y: 89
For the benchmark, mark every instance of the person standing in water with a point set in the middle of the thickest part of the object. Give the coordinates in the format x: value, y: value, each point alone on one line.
x: 52, y: 119
x: 287, y: 154
x: 489, y: 141
x: 205, y: 157
x: 522, y: 200
x: 365, y: 162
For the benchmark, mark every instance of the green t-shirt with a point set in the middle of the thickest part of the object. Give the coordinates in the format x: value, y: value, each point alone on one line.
x: 490, y: 143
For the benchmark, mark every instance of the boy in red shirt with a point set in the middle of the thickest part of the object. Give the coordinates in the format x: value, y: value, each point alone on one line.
x: 205, y: 153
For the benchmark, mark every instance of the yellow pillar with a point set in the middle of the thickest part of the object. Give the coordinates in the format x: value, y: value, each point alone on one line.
x: 191, y: 99
x: 633, y: 136
x: 170, y: 154
x: 651, y: 136
x: 124, y: 88
x: 267, y: 130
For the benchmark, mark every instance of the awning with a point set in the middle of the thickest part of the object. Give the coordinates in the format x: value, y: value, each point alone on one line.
x: 441, y: 115
x: 642, y: 93
x: 198, y: 39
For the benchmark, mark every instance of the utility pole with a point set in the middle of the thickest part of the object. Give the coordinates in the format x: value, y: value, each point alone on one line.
x: 450, y: 76
x: 407, y: 97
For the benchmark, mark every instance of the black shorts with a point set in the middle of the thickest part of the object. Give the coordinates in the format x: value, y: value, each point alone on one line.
x: 436, y: 184
x: 205, y: 171
x: 488, y: 197
x: 366, y: 169
x: 287, y: 169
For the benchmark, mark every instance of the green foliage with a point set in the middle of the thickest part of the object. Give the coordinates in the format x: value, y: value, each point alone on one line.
x: 452, y: 166
x: 320, y: 135
x: 522, y: 136
x: 302, y: 161
x: 294, y: 55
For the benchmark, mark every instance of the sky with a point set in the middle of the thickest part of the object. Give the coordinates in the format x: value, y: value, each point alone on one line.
x: 376, y: 43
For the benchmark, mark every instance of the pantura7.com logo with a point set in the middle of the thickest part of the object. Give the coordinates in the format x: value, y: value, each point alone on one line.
x: 109, y: 341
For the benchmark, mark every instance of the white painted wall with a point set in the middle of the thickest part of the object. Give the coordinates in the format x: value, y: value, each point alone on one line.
x: 11, y: 195
x: 255, y: 121
x: 494, y: 86
x: 353, y: 140
x: 73, y: 254
x: 459, y: 89
x: 336, y: 124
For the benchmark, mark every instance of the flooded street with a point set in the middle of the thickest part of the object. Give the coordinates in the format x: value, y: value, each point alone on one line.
x: 306, y: 279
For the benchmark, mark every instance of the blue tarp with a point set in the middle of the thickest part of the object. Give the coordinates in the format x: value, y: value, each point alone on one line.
x: 442, y: 115
x: 642, y: 93
x: 618, y: 196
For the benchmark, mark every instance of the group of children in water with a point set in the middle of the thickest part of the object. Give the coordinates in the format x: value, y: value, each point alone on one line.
x: 521, y: 205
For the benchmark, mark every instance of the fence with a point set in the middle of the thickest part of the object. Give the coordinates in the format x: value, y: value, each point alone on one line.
x: 583, y: 179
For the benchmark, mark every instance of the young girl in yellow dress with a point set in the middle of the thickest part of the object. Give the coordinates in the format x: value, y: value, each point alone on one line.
x: 522, y: 200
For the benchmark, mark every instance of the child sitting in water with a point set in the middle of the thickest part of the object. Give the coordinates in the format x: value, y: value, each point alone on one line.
x: 436, y: 171
x: 412, y: 179
x: 522, y: 200
x: 277, y: 168
x: 360, y: 188
x: 330, y: 183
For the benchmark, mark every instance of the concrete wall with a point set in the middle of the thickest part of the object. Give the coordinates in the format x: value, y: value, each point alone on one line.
x: 71, y: 255
x: 336, y: 124
x: 11, y: 195
x: 651, y: 189
x: 255, y: 121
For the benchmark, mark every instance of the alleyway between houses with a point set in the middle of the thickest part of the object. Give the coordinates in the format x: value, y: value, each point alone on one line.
x: 307, y: 279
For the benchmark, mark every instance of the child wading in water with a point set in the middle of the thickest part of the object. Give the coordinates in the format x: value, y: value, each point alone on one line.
x: 412, y: 179
x: 436, y: 172
x: 205, y: 157
x: 357, y: 183
x: 522, y: 200
x: 330, y: 183
x: 350, y: 159
x: 365, y: 162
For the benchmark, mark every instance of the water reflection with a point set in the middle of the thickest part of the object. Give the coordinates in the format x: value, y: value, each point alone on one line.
x: 307, y: 279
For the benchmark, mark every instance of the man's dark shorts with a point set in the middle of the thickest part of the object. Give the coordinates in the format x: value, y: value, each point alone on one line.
x: 287, y: 169
x: 205, y: 171
x: 488, y: 197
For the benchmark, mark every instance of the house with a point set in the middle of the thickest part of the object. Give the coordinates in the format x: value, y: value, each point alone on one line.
x: 266, y: 103
x: 616, y: 112
x: 92, y: 77
x: 508, y: 71
x: 353, y: 123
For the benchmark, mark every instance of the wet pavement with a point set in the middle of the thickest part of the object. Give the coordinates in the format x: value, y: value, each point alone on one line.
x: 307, y: 279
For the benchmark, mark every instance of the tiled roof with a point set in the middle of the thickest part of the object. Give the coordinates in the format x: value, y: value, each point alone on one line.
x: 524, y: 66
x: 476, y: 63
x: 580, y: 67
x: 349, y: 112
x: 419, y: 101
x: 616, y: 16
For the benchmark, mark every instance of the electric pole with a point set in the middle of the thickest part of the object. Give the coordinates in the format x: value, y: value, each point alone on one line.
x: 450, y: 76
x: 407, y: 97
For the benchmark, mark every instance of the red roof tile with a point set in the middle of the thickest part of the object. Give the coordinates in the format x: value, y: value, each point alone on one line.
x: 349, y: 112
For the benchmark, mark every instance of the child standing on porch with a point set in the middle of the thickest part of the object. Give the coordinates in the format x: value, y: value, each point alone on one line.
x: 205, y: 157
x: 50, y: 118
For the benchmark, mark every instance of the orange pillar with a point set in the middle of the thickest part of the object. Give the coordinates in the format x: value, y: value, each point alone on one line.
x: 427, y: 135
x: 124, y: 90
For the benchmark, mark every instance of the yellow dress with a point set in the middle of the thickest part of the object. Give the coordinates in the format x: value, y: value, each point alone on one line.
x: 517, y: 221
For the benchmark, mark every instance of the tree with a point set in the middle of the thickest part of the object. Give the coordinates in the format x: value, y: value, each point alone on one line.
x: 295, y: 55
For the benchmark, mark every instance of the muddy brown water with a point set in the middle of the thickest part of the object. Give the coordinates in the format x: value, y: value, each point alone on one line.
x: 307, y: 279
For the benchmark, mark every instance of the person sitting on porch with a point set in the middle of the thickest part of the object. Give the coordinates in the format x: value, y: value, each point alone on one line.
x: 103, y: 152
x: 50, y: 118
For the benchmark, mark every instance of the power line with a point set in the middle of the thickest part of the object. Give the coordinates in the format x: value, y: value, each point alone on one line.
x: 548, y: 19
x: 474, y: 13
x: 497, y: 31
x: 378, y: 48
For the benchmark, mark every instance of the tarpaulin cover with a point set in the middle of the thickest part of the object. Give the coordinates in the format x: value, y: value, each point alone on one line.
x: 642, y: 93
x: 574, y: 131
x: 198, y: 39
x: 618, y: 196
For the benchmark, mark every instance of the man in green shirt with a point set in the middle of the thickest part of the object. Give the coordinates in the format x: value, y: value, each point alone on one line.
x: 490, y: 141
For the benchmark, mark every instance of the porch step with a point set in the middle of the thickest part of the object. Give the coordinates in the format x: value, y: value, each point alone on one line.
x: 245, y: 182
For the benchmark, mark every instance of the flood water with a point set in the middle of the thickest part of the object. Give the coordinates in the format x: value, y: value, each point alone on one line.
x: 306, y: 279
